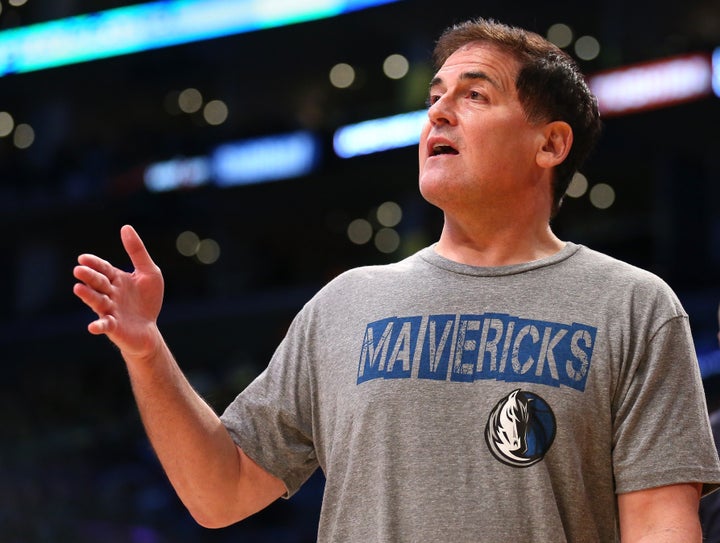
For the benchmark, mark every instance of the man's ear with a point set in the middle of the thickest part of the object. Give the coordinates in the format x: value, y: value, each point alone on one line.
x: 557, y: 140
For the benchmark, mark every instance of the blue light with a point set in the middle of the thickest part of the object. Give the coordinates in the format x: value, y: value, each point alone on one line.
x: 178, y: 173
x: 153, y: 25
x: 716, y: 71
x: 654, y: 84
x: 265, y: 159
x: 379, y: 134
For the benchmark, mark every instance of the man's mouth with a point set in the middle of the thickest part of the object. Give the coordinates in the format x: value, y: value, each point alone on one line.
x: 442, y: 149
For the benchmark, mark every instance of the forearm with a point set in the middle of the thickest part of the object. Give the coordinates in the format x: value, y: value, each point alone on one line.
x: 667, y: 514
x: 199, y: 457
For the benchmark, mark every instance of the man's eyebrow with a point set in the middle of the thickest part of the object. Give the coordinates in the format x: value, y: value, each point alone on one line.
x: 469, y: 76
x: 483, y: 76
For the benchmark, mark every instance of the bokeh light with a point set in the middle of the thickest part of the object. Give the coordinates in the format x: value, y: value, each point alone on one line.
x: 7, y: 124
x: 360, y: 231
x: 396, y: 66
x: 587, y: 48
x: 560, y: 34
x: 24, y: 136
x: 389, y: 214
x: 342, y: 75
x: 387, y: 240
x: 578, y: 186
x: 187, y: 243
x: 190, y: 100
x: 215, y: 112
x: 602, y: 196
x: 208, y: 251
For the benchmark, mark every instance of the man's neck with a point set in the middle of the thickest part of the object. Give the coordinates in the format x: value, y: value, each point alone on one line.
x: 499, y: 247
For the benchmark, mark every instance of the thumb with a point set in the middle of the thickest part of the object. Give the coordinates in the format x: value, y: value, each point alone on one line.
x: 135, y: 248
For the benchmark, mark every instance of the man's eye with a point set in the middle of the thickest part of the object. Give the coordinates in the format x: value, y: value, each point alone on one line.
x: 475, y: 95
x: 432, y: 99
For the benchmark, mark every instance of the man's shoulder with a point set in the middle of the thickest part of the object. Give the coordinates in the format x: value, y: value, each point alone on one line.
x: 599, y: 258
x: 374, y: 274
x: 613, y: 266
x: 615, y: 277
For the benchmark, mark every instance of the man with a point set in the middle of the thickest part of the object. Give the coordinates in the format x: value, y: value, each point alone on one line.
x: 500, y: 385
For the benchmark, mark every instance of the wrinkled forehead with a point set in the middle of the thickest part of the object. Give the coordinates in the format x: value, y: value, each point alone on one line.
x: 487, y: 60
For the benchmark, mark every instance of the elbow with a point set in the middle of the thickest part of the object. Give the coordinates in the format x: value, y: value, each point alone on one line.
x: 214, y: 512
x: 232, y: 499
x: 211, y: 523
x: 214, y: 519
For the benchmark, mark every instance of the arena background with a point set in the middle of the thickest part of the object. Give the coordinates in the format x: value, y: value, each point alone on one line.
x: 75, y: 465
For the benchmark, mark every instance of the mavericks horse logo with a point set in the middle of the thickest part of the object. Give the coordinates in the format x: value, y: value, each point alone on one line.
x: 520, y: 429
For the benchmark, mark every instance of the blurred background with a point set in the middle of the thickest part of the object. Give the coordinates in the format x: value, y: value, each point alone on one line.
x: 238, y: 147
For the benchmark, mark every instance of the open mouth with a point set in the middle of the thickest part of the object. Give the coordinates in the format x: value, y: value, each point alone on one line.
x: 443, y: 150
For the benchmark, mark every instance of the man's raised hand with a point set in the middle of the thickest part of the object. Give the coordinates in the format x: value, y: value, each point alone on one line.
x: 127, y: 304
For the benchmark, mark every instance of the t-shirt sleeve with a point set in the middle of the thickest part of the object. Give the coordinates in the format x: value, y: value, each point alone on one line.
x: 271, y: 419
x: 662, y: 434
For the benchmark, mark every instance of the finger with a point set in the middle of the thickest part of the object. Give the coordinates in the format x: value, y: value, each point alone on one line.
x: 100, y: 303
x: 96, y: 263
x: 135, y: 248
x: 93, y: 279
x: 103, y: 325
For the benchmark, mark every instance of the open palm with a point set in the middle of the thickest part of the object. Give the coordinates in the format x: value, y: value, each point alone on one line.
x: 127, y: 304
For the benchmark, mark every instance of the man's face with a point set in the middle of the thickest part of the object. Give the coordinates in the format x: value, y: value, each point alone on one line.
x: 477, y: 147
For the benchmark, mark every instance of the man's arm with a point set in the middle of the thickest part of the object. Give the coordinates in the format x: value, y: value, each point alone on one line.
x: 216, y: 481
x: 666, y: 514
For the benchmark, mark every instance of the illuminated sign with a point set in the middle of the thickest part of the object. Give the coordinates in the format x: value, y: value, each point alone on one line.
x: 178, y: 173
x: 379, y: 134
x: 716, y: 72
x: 255, y: 160
x: 653, y: 84
x: 265, y: 159
x: 152, y: 25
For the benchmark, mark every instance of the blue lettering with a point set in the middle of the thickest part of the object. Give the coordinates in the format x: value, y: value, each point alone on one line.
x: 522, y: 360
x: 402, y: 353
x: 488, y: 348
x: 391, y: 355
x: 373, y: 354
x: 577, y: 362
x: 435, y: 355
x: 466, y: 348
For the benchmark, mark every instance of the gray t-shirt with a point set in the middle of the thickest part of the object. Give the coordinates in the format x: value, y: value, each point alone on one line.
x: 461, y: 404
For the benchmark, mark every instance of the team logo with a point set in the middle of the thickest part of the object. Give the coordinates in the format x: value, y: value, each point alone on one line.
x: 520, y: 429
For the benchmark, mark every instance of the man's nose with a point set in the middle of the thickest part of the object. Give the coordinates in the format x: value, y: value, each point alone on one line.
x: 442, y: 111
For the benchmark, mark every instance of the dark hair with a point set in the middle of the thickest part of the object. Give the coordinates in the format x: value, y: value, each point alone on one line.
x: 549, y: 83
